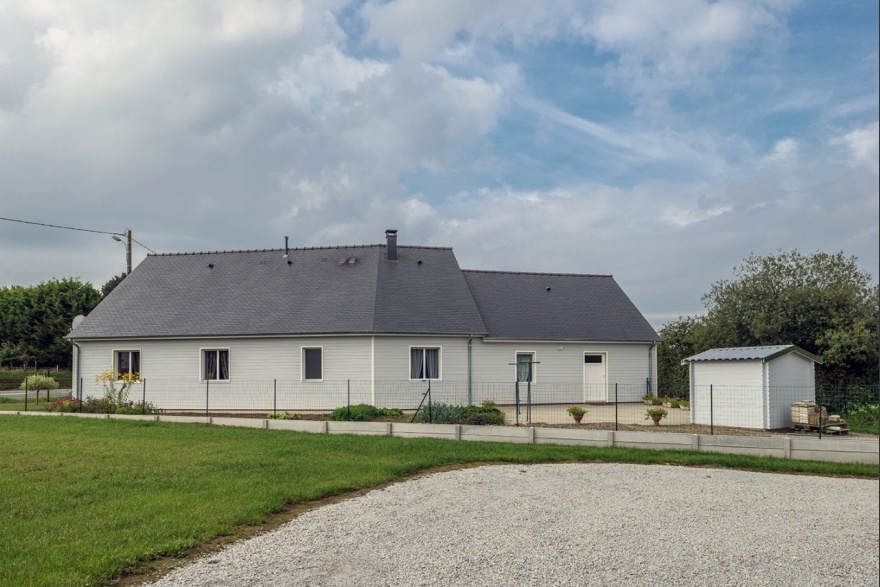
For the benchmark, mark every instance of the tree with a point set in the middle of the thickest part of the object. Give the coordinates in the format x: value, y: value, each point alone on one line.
x: 680, y: 339
x: 111, y: 284
x: 34, y: 320
x: 821, y: 303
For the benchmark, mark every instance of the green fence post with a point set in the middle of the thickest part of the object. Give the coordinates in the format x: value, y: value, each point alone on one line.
x: 207, y: 395
x: 274, y: 397
x: 711, y: 411
x: 80, y: 391
x: 25, y: 391
x: 517, y: 403
x: 615, y: 405
x: 143, y: 397
x: 820, y: 411
x: 348, y: 399
x: 529, y: 402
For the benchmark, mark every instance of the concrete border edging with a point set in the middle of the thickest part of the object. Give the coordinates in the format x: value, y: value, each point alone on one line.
x: 842, y: 450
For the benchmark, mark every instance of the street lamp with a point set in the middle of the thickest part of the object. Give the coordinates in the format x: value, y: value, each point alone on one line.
x: 127, y: 235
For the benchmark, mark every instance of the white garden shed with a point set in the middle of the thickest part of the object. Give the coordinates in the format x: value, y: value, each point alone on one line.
x: 750, y: 387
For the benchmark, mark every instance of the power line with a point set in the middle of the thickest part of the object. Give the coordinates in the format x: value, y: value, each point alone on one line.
x: 74, y: 228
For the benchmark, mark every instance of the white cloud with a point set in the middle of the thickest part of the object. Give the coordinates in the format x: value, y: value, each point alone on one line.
x: 863, y: 144
x: 663, y: 47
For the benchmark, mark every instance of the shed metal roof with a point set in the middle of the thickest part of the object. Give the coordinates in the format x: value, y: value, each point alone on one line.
x: 763, y: 353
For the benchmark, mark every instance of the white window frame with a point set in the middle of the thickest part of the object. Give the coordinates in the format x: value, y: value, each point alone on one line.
x: 438, y: 348
x: 127, y: 350
x: 302, y: 359
x: 534, y: 366
x: 202, y: 351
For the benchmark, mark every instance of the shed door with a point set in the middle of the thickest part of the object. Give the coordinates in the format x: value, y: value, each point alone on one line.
x: 594, y: 378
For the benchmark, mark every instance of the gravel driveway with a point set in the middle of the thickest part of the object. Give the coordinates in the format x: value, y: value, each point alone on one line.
x: 571, y: 524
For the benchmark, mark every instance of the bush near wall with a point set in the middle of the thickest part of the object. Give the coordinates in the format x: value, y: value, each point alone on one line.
x: 11, y: 379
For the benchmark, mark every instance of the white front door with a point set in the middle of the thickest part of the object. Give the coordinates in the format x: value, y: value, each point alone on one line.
x: 594, y: 378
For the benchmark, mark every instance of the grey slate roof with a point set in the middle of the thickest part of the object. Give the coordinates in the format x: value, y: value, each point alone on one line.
x: 554, y: 306
x: 322, y: 291
x: 764, y: 353
x: 248, y: 293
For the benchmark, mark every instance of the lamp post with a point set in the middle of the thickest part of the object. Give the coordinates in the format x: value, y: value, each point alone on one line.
x: 127, y: 235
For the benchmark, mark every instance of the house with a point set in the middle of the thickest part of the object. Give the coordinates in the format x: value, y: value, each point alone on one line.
x: 314, y: 328
x: 750, y: 387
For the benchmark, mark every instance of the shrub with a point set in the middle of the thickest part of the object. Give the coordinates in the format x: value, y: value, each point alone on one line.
x: 484, y: 415
x: 137, y: 408
x: 390, y: 412
x: 440, y: 413
x: 65, y: 404
x: 863, y: 417
x: 282, y: 416
x: 355, y: 413
x: 657, y: 401
x: 38, y: 383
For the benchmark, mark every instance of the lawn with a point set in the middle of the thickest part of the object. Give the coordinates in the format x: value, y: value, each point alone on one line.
x: 81, y: 500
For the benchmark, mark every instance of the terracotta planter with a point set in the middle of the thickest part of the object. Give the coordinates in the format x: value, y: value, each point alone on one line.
x: 657, y: 419
x: 577, y: 418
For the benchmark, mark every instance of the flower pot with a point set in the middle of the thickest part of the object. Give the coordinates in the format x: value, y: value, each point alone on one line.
x: 577, y: 418
x: 657, y: 419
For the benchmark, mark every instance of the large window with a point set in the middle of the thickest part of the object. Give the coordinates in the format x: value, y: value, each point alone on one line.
x: 525, y: 368
x: 127, y: 362
x: 313, y: 368
x: 424, y: 363
x: 215, y: 365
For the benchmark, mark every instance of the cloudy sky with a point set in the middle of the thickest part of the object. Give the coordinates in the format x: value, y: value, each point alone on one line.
x: 660, y: 142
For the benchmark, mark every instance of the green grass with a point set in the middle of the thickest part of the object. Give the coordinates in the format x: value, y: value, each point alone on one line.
x: 81, y: 500
x: 16, y: 404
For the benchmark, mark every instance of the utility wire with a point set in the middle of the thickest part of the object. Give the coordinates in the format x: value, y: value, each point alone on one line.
x: 73, y: 228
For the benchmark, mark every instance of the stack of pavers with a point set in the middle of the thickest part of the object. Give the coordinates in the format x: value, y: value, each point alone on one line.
x: 808, y: 415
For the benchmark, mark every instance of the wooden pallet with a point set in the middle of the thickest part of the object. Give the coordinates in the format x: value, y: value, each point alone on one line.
x: 830, y: 430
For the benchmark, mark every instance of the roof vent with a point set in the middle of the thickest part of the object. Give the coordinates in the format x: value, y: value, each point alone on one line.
x: 391, y: 244
x: 352, y: 260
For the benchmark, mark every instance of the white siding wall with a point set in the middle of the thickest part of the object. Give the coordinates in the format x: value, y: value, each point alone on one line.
x: 262, y: 371
x: 736, y: 393
x: 791, y: 379
x: 266, y: 373
x: 393, y: 386
x: 559, y: 376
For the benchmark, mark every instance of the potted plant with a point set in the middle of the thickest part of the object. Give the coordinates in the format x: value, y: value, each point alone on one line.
x: 648, y: 398
x: 655, y: 414
x: 684, y: 404
x: 577, y: 413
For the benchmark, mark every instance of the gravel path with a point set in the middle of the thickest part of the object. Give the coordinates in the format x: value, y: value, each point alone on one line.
x: 573, y: 524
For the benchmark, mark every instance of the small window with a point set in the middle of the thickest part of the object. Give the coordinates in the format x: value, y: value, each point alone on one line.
x: 313, y: 364
x: 525, y: 367
x: 128, y: 363
x: 215, y: 365
x: 424, y: 363
x: 592, y: 358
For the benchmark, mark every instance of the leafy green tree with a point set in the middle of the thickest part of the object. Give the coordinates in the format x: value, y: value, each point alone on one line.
x: 681, y: 339
x: 35, y: 319
x: 821, y: 302
x: 111, y: 284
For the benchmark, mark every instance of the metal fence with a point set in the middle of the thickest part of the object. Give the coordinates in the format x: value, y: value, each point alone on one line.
x: 705, y: 409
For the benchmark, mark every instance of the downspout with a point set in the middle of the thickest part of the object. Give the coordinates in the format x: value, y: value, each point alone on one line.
x: 75, y: 382
x: 470, y: 379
